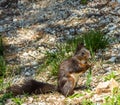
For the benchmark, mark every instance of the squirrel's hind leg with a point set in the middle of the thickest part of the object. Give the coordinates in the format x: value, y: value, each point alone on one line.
x: 68, y: 88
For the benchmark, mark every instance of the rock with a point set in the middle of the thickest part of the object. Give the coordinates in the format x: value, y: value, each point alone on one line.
x: 102, y: 87
x: 9, y: 102
x: 27, y: 73
x: 41, y: 103
x: 112, y: 59
x: 1, y: 29
x: 97, y: 98
x: 8, y: 3
x: 24, y: 104
x: 34, y: 63
x: 30, y: 100
x: 108, y: 69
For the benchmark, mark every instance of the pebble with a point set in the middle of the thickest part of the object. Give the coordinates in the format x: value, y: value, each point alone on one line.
x: 27, y: 73
x: 41, y: 103
x: 109, y: 69
x: 1, y: 29
x: 30, y: 99
x: 112, y: 59
x: 9, y: 102
x: 111, y: 26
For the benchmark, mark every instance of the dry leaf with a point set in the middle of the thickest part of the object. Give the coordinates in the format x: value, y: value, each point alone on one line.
x: 108, y: 86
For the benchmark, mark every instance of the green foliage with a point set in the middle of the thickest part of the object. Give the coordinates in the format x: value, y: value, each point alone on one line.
x: 2, y: 66
x: 53, y: 61
x: 75, y: 96
x: 2, y: 72
x: 89, y: 78
x: 95, y: 40
x: 5, y: 97
x: 1, y: 47
x: 110, y: 76
x: 84, y: 1
x: 17, y: 101
x: 87, y: 102
x: 2, y: 61
x: 114, y: 99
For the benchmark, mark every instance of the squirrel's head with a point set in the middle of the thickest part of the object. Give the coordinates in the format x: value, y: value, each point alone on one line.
x: 82, y: 53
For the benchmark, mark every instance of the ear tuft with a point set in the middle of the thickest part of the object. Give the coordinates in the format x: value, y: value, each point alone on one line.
x: 79, y: 47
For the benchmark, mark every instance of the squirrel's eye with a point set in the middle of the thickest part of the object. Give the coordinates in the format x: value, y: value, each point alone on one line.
x: 83, y: 53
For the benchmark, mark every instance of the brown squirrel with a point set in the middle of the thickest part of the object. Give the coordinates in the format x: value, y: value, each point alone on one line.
x: 68, y: 74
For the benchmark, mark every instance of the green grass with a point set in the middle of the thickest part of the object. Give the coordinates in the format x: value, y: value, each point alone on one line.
x: 1, y: 46
x: 84, y: 101
x: 17, y: 101
x: 4, y: 98
x: 95, y: 40
x: 2, y: 61
x: 84, y: 1
x: 76, y: 95
x: 2, y: 66
x: 110, y: 76
x: 89, y: 78
x: 2, y: 71
x: 87, y: 102
x: 114, y: 99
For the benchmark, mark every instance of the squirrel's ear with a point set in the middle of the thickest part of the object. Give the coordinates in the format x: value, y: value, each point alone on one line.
x: 79, y: 46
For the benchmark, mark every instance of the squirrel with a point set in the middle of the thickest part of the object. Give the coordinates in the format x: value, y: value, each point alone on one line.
x: 69, y: 71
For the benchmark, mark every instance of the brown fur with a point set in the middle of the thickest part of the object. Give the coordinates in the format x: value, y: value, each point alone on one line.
x: 31, y: 87
x: 68, y: 71
x: 69, y: 68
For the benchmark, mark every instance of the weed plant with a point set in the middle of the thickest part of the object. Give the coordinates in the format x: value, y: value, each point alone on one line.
x: 114, y: 99
x: 110, y: 76
x: 87, y: 102
x: 95, y: 40
x: 2, y: 66
x: 89, y: 78
x: 17, y: 101
x: 84, y: 1
x: 2, y: 61
x: 76, y: 95
x: 1, y: 46
x: 4, y: 97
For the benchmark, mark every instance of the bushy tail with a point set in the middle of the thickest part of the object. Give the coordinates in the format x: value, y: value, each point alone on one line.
x: 32, y: 87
